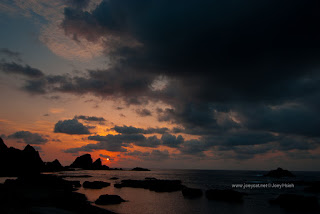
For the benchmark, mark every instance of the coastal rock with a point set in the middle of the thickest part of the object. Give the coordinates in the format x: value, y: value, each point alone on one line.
x: 109, y: 199
x: 32, y: 162
x: 3, y: 146
x: 279, y: 173
x: 54, y: 166
x: 191, y: 192
x: 294, y: 201
x: 114, y: 178
x: 15, y: 162
x: 115, y: 168
x: 84, y: 162
x: 95, y: 184
x: 224, y: 195
x: 153, y: 185
x: 97, y: 164
x: 75, y: 183
x: 140, y: 169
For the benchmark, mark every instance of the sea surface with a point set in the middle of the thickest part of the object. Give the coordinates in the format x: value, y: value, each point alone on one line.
x: 141, y: 201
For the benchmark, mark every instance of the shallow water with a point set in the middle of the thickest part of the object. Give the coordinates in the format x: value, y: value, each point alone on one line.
x: 145, y: 201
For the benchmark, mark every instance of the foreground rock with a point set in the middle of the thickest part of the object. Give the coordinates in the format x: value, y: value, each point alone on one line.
x: 114, y: 178
x: 75, y: 184
x: 224, y: 195
x: 85, y: 162
x: 153, y: 185
x: 294, y: 202
x: 140, y: 169
x: 109, y: 199
x: 313, y: 187
x: 95, y: 184
x: 279, y: 173
x: 16, y: 162
x: 45, y: 191
x: 191, y: 192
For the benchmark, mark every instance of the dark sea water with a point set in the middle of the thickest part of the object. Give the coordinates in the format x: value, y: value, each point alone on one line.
x: 145, y: 201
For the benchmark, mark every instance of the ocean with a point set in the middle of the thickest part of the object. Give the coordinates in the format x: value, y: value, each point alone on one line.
x: 141, y: 201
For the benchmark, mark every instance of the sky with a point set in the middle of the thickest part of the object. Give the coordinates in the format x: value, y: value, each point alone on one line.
x: 187, y: 84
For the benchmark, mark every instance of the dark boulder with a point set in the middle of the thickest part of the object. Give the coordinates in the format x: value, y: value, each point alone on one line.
x: 294, y: 201
x: 313, y: 187
x: 114, y: 178
x: 75, y: 183
x: 95, y: 184
x: 224, y: 195
x: 84, y: 162
x: 29, y: 191
x: 109, y: 199
x: 140, y: 169
x: 191, y: 192
x: 279, y: 173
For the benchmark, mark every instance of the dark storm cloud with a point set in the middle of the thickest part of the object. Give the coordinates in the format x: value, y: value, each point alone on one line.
x: 302, y: 155
x: 154, y: 155
x: 120, y: 141
x: 143, y: 112
x: 228, y: 141
x: 219, y: 51
x: 125, y: 139
x: 79, y: 4
x: 235, y: 44
x: 114, y: 143
x: 116, y: 82
x: 194, y: 147
x: 28, y: 137
x: 14, y: 68
x: 297, y: 119
x: 90, y: 118
x: 71, y: 127
x: 287, y: 143
x: 134, y: 130
x: 150, y: 142
x: 231, y: 139
x: 234, y: 69
x: 104, y: 156
x: 10, y: 54
x: 171, y: 140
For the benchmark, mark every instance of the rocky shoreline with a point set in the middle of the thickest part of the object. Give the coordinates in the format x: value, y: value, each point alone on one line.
x: 44, y: 194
